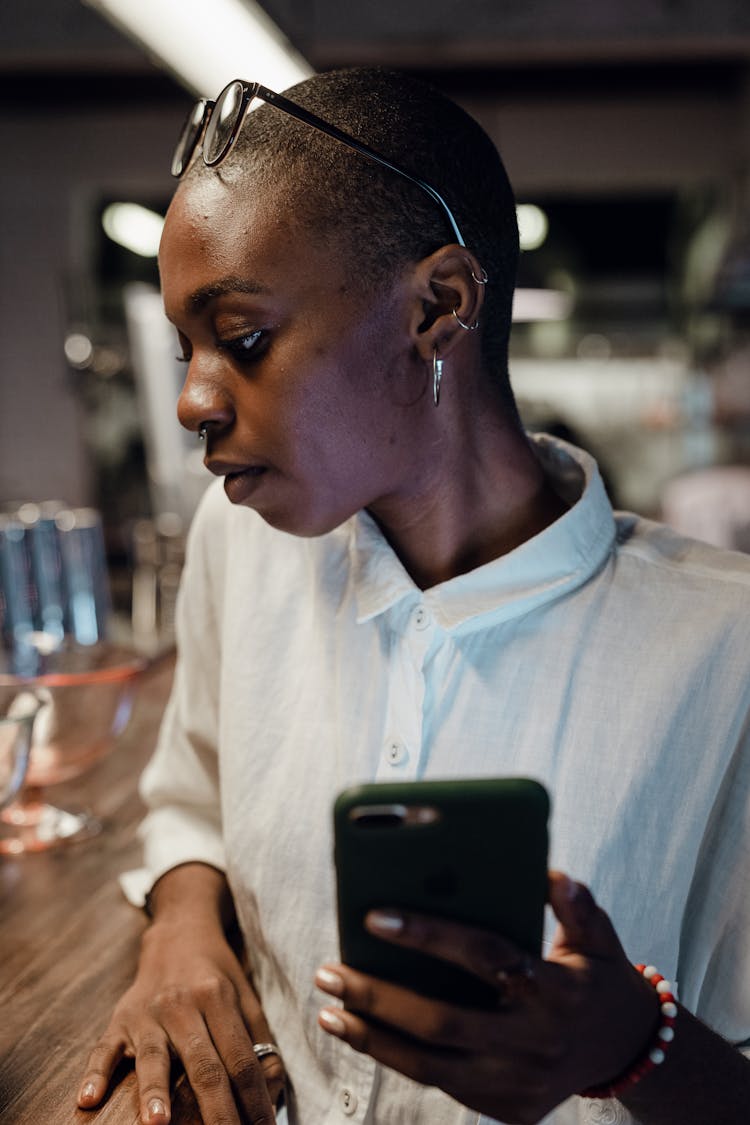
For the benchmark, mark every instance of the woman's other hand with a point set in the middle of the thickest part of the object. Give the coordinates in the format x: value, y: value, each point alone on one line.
x: 190, y: 1000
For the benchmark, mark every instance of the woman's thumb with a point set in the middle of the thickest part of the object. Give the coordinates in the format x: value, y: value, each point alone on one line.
x: 583, y: 926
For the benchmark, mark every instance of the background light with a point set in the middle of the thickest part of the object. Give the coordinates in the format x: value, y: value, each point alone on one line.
x: 79, y: 350
x: 207, y: 43
x: 134, y: 227
x: 541, y: 304
x: 532, y: 225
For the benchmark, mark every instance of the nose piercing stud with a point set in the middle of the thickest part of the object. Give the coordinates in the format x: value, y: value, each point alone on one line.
x: 202, y: 431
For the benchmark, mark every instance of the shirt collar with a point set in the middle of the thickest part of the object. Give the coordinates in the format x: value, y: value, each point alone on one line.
x: 544, y: 568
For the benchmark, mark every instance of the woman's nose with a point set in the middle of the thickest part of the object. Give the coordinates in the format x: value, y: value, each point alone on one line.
x: 204, y: 399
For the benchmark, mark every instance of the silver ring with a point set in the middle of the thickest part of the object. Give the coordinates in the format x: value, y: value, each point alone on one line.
x: 264, y: 1049
x: 202, y: 431
x: 514, y: 982
x: 468, y: 327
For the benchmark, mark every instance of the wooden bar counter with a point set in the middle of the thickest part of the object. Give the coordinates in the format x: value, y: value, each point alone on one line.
x: 69, y: 941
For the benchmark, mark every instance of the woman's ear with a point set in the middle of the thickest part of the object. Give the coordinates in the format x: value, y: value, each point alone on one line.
x: 449, y: 296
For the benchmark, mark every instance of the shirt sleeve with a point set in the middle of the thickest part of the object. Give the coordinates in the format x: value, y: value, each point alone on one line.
x: 180, y: 785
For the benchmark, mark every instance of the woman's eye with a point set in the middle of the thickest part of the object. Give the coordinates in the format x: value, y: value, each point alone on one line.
x: 242, y: 347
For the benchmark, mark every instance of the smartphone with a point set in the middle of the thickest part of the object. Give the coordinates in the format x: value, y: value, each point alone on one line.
x: 471, y: 850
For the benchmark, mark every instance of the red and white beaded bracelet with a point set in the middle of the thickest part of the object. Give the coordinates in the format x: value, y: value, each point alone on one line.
x: 657, y: 1048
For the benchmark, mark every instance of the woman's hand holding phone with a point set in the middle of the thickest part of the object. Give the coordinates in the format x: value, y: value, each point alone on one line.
x: 562, y: 1024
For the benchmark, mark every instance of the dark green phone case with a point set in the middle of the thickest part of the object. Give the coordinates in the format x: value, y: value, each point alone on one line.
x: 483, y: 862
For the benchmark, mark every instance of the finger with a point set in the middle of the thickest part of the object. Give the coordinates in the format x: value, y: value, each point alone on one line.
x: 152, y: 1067
x: 422, y: 1018
x: 206, y: 1073
x: 512, y: 1085
x: 481, y: 952
x: 100, y: 1066
x: 584, y: 928
x: 430, y: 1068
x: 274, y: 1073
x: 234, y: 1042
x: 260, y: 1032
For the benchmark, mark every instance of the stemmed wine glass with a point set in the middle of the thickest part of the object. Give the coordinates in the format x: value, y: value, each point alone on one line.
x: 62, y: 719
x: 16, y: 724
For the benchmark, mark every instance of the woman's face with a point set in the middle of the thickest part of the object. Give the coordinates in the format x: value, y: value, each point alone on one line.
x: 306, y: 385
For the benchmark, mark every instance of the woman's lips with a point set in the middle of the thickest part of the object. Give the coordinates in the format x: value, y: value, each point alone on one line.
x: 240, y: 481
x: 239, y: 486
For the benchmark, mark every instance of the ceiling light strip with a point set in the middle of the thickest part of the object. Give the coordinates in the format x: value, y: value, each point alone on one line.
x: 205, y: 45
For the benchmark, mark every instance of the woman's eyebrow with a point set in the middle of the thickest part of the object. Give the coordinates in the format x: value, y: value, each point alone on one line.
x: 201, y: 297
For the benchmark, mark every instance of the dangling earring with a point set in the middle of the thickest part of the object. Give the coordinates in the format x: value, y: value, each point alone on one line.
x: 437, y: 376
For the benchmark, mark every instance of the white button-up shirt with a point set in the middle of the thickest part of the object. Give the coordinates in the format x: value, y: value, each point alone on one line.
x: 606, y: 657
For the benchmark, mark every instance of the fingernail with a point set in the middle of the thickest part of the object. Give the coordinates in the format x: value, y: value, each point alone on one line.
x: 387, y: 921
x: 332, y: 1021
x: 329, y: 982
x: 156, y: 1108
x: 571, y: 889
x: 582, y: 904
x: 88, y: 1091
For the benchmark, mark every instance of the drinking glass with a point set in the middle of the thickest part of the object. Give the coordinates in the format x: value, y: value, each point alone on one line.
x: 16, y: 724
x: 82, y: 698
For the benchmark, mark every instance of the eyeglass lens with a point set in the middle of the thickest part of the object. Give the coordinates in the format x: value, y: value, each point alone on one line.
x: 223, y: 123
x: 189, y: 137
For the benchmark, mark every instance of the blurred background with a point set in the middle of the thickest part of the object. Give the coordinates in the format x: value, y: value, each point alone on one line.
x: 625, y: 128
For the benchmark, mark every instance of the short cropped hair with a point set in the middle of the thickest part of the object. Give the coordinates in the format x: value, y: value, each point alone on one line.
x: 386, y: 220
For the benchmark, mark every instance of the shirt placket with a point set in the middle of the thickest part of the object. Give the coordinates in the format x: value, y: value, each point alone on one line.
x: 401, y: 753
x: 399, y: 759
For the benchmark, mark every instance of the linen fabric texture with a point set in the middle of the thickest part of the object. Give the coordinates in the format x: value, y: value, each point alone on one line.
x: 607, y: 657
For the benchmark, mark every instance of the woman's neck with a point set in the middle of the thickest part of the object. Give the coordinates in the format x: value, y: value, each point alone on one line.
x: 481, y: 495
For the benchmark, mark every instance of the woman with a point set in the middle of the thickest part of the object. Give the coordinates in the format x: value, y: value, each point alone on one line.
x: 405, y: 585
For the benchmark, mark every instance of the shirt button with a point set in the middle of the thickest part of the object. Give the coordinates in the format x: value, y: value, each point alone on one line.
x: 421, y: 617
x: 348, y: 1101
x: 395, y: 752
x: 606, y: 1113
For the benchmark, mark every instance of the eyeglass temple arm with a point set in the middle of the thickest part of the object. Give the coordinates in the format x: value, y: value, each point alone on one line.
x: 297, y: 111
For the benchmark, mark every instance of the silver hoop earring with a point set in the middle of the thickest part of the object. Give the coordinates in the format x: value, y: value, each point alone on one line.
x: 483, y: 278
x: 468, y: 327
x: 437, y: 376
x: 202, y: 431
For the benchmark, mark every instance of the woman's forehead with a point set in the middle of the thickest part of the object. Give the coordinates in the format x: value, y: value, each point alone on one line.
x: 228, y: 222
x: 215, y: 231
